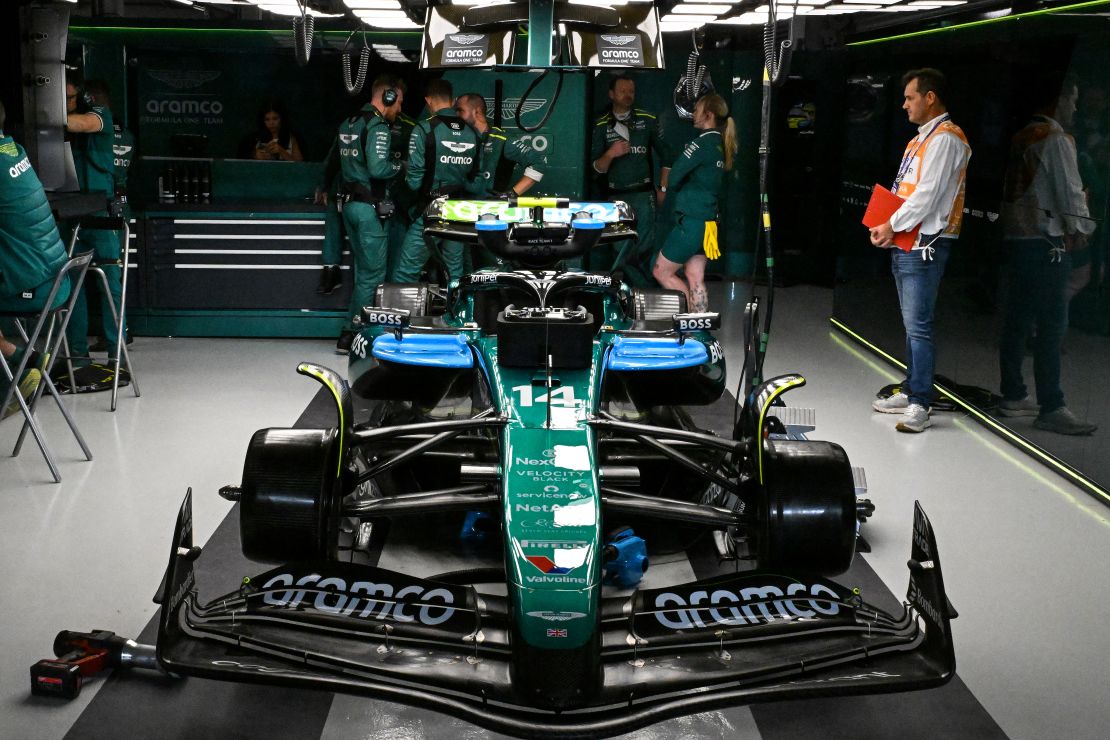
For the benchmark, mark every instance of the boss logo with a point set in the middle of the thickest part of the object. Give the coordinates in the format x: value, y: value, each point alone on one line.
x: 684, y: 322
x: 383, y: 319
x: 359, y: 346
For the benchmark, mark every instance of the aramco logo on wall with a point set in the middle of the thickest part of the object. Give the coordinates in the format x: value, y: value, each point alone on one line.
x: 175, y: 96
x: 620, y: 49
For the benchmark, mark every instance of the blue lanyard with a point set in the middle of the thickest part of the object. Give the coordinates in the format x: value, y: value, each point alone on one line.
x: 908, y: 158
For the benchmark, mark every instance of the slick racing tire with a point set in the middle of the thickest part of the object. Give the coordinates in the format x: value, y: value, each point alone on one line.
x: 290, y: 495
x: 809, y: 508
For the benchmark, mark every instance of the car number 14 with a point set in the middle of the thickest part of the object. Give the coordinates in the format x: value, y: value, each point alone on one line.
x: 561, y: 396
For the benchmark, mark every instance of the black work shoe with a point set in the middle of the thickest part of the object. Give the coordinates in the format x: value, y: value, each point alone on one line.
x: 343, y: 346
x: 101, y: 345
x: 331, y: 277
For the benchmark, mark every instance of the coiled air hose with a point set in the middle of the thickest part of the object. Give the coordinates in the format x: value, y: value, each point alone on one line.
x: 303, y: 28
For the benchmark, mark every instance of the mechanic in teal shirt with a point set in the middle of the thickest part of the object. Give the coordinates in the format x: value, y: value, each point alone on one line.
x: 627, y: 145
x: 31, y: 251
x: 696, y: 182
x: 367, y: 166
x: 442, y: 152
x: 89, y: 119
x: 499, y: 156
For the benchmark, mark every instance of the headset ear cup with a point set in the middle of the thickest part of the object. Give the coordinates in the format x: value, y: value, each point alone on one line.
x: 389, y: 97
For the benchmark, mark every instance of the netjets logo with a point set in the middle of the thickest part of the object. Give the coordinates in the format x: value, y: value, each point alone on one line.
x: 458, y: 146
x: 624, y: 50
x: 465, y: 39
x: 464, y: 49
x: 620, y: 40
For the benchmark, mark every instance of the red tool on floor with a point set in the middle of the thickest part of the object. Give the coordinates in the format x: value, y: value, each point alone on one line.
x: 85, y: 654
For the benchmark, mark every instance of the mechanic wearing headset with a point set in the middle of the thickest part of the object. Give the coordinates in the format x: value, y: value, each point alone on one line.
x: 366, y: 167
x: 442, y: 152
x: 625, y: 142
x: 31, y: 254
x: 89, y: 119
x: 498, y: 154
x: 931, y: 181
x: 696, y: 182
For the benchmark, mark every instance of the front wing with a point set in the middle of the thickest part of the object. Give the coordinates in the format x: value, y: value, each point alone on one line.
x: 732, y: 640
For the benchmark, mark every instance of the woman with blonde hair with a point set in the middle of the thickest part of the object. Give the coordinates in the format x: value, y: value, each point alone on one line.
x: 694, y: 188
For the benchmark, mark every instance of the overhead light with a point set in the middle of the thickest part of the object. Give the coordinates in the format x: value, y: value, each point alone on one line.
x: 906, y: 8
x: 701, y: 9
x: 370, y: 13
x: 710, y: 2
x: 843, y: 9
x: 937, y: 3
x: 480, y: 2
x: 373, y: 4
x: 682, y: 25
x: 870, y: 2
x: 687, y: 18
x: 390, y: 22
x: 783, y: 10
x: 751, y: 18
x: 290, y: 8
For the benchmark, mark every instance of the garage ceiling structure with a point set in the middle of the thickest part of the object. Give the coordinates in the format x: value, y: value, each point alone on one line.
x: 836, y: 20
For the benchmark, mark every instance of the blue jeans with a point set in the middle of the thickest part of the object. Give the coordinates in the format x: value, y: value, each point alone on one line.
x: 1036, y: 297
x: 917, y: 281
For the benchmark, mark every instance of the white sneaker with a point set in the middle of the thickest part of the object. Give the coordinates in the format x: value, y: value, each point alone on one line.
x: 896, y: 404
x: 1021, y: 407
x: 1063, y: 421
x: 915, y: 419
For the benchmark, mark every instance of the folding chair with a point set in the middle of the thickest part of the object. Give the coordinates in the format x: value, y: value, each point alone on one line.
x: 110, y: 223
x: 74, y: 269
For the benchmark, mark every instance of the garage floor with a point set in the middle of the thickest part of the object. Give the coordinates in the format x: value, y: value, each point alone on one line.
x: 1025, y: 554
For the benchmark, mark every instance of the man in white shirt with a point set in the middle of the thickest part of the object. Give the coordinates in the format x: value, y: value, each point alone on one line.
x: 1044, y: 218
x: 931, y: 180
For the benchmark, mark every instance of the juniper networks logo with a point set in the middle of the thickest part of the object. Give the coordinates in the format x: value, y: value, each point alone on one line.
x: 620, y: 49
x: 464, y: 49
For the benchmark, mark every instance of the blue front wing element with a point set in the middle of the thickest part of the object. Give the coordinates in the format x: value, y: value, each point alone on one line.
x: 426, y: 350
x: 655, y: 353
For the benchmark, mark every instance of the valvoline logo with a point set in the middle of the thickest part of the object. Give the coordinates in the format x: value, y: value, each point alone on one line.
x: 547, y: 565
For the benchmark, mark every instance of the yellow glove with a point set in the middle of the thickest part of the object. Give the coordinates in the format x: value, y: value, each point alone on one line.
x: 709, y: 241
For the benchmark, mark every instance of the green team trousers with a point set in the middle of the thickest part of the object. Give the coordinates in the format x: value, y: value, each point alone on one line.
x: 369, y: 242
x: 414, y: 253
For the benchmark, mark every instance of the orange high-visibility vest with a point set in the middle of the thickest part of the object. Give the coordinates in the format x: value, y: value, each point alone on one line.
x: 914, y: 172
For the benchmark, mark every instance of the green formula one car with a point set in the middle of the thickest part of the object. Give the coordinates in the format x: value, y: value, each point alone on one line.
x: 546, y: 409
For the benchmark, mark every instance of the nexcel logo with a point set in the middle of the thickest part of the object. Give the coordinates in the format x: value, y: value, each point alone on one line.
x: 620, y: 49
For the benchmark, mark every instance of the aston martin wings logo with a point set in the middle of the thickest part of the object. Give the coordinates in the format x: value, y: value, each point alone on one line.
x: 466, y: 39
x: 508, y: 106
x: 458, y: 146
x: 347, y: 138
x: 186, y: 79
x: 120, y: 149
x: 622, y: 40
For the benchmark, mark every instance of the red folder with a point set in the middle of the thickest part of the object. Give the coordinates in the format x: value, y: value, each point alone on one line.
x: 880, y: 208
